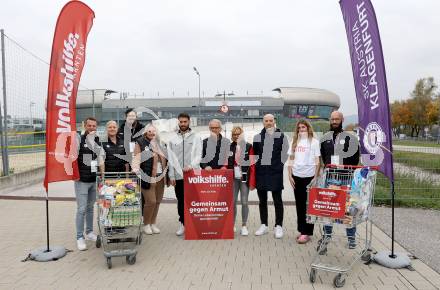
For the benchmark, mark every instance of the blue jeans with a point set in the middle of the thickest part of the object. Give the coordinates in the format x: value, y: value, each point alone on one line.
x: 351, y: 232
x: 85, y: 193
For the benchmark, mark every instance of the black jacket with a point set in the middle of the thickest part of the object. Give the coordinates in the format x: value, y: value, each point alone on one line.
x: 215, y: 152
x: 85, y: 155
x: 331, y: 139
x: 147, y: 164
x: 113, y: 163
x: 271, y: 153
x: 138, y: 126
x: 245, y: 149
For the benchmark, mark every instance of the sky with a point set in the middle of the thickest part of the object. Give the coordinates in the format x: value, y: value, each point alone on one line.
x: 242, y: 46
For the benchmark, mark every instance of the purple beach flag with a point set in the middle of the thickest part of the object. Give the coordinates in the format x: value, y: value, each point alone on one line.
x: 370, y: 84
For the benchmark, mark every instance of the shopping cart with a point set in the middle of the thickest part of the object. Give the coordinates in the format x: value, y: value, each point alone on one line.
x: 119, y: 216
x: 341, y: 198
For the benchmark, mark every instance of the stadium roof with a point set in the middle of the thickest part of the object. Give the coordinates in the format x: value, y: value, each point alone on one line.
x: 309, y: 96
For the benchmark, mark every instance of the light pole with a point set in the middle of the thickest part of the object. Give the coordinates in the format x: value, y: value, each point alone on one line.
x: 198, y: 75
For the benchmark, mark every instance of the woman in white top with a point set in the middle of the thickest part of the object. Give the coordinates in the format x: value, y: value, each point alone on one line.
x: 303, y: 168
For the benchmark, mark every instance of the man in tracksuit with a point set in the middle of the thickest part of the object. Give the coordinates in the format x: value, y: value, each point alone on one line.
x: 339, y: 147
x: 184, y: 154
x: 90, y: 156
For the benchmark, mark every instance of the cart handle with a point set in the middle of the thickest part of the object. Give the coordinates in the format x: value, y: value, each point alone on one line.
x: 351, y: 166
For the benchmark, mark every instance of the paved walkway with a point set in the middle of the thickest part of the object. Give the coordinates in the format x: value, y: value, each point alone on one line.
x: 418, y: 229
x: 165, y: 261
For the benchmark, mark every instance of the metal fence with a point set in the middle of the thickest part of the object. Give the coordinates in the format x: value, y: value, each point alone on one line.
x: 24, y: 88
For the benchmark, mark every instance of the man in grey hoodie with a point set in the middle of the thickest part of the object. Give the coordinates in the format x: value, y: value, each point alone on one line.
x: 184, y: 154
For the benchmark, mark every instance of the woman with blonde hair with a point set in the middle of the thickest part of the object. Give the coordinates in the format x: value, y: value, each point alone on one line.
x: 241, y: 161
x: 150, y: 162
x: 303, y: 167
x: 114, y: 146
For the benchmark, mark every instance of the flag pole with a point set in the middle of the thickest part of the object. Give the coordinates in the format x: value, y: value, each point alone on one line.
x: 47, y: 222
x: 393, y: 194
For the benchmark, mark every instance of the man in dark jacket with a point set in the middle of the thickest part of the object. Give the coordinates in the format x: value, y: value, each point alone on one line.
x: 339, y: 147
x: 89, y: 157
x: 270, y: 149
x: 215, y: 148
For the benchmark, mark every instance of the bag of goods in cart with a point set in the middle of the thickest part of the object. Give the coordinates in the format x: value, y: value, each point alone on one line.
x: 360, y: 193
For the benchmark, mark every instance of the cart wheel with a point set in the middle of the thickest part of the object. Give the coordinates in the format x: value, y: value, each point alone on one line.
x: 131, y: 260
x: 312, y: 275
x: 366, y: 257
x: 98, y: 241
x: 339, y: 281
x: 109, y: 262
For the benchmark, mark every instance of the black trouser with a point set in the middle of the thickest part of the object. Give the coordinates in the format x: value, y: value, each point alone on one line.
x: 178, y: 189
x: 301, y: 204
x: 278, y: 203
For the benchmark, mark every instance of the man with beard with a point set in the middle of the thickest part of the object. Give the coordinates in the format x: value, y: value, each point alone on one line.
x: 342, y: 148
x: 184, y: 154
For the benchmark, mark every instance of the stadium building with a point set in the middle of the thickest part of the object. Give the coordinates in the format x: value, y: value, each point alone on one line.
x: 291, y: 102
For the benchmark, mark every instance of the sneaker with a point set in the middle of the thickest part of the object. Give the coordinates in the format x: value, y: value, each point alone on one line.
x: 279, y: 233
x: 244, y: 231
x: 81, y: 244
x: 155, y: 229
x: 148, y: 230
x: 262, y: 230
x: 180, y: 230
x: 303, y: 239
x: 91, y: 237
x: 352, y: 245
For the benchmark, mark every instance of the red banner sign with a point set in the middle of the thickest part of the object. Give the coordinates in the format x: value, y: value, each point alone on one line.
x: 325, y: 202
x: 209, y: 205
x: 66, y: 64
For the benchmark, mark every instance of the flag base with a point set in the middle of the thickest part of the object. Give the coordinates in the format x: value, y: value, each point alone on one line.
x: 42, y: 255
x: 398, y: 261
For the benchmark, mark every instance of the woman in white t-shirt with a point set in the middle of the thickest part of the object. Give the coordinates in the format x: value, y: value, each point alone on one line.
x: 303, y: 168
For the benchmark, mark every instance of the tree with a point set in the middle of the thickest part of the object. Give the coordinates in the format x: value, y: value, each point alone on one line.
x: 421, y: 98
x: 350, y: 127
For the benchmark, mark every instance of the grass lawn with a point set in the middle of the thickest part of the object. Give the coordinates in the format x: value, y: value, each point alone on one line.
x: 416, y: 143
x: 425, y: 161
x: 410, y: 192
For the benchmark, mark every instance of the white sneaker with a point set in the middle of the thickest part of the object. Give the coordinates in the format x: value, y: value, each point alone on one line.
x: 180, y: 230
x: 148, y: 230
x: 279, y: 233
x: 81, y: 244
x: 155, y: 229
x: 262, y: 230
x: 244, y: 231
x: 91, y: 237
